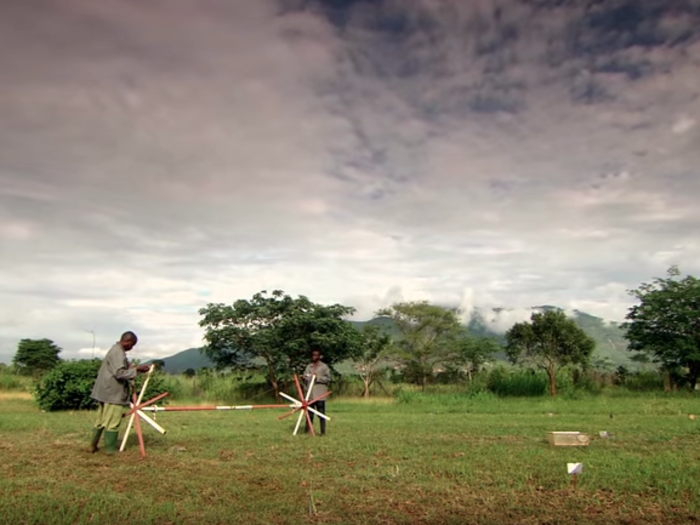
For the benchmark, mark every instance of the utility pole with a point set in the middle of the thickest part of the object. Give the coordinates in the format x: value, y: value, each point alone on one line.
x: 93, y: 341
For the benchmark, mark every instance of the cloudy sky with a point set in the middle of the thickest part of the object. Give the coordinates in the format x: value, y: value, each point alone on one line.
x: 157, y: 155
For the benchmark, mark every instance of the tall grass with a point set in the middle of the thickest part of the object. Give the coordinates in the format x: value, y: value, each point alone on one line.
x: 10, y: 381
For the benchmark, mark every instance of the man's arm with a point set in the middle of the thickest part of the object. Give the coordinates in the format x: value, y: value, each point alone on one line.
x: 308, y: 372
x: 324, y: 375
x: 116, y: 364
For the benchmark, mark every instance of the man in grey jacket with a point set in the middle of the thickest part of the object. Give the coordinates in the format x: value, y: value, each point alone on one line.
x: 111, y: 391
x: 323, y: 378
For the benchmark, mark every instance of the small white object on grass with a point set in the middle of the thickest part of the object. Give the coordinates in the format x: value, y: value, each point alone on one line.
x: 574, y: 468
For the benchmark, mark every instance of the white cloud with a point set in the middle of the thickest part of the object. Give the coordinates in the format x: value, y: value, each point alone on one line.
x: 155, y: 157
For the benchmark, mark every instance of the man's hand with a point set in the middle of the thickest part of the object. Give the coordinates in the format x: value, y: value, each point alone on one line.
x: 143, y: 368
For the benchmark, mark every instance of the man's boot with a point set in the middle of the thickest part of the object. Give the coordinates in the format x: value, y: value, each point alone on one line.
x: 96, y: 435
x: 111, y: 439
x: 323, y: 426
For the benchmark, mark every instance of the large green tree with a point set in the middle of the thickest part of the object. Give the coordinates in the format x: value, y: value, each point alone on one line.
x: 471, y: 353
x: 427, y: 334
x: 549, y: 341
x: 36, y: 356
x: 666, y: 323
x: 281, y: 330
x: 375, y: 350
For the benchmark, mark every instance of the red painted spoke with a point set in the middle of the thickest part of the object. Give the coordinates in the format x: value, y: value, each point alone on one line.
x: 308, y: 420
x: 291, y: 412
x: 139, y: 433
x: 319, y: 398
x: 302, y: 397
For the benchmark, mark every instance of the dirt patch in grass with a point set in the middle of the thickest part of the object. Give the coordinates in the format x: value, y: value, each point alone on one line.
x: 11, y: 396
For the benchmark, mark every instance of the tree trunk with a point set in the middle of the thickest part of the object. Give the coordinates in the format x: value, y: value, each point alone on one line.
x: 693, y: 373
x: 668, y: 382
x: 273, y: 381
x: 367, y: 381
x: 552, y: 379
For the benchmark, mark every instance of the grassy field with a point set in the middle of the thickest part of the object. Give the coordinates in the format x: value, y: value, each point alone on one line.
x: 433, y: 460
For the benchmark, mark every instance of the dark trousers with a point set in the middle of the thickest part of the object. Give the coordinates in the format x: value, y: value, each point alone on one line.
x: 320, y: 406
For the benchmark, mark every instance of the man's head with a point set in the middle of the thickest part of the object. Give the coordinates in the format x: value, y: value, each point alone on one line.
x: 128, y: 340
x: 316, y: 355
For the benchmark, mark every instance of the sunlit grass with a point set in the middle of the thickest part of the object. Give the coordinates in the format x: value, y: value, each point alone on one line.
x: 432, y: 459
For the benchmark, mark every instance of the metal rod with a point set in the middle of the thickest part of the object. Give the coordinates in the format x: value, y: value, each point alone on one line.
x: 151, y: 422
x: 211, y: 407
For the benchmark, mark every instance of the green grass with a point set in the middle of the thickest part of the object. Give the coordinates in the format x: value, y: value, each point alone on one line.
x: 432, y: 459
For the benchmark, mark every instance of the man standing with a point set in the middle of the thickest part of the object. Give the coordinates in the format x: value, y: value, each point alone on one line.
x: 111, y: 391
x: 323, y: 378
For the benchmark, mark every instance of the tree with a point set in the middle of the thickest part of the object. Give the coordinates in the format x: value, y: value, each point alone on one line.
x: 666, y: 323
x: 376, y: 347
x: 549, y: 341
x: 36, y: 356
x: 427, y: 333
x: 279, y: 329
x: 471, y: 353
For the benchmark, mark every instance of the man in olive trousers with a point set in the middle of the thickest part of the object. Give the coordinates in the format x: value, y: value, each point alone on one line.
x: 323, y: 378
x: 111, y: 391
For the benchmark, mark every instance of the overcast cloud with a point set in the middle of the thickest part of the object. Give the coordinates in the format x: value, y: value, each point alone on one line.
x: 158, y: 155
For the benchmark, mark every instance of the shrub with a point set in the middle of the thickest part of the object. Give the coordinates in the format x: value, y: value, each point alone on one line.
x: 505, y: 382
x: 645, y: 382
x: 69, y: 385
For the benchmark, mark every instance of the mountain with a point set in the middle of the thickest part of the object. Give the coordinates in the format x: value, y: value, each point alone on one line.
x: 611, y: 347
x: 191, y: 358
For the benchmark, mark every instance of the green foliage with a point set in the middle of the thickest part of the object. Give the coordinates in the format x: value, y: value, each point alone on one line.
x: 517, y: 383
x: 69, y: 385
x: 279, y: 329
x: 375, y: 350
x: 36, y: 356
x: 551, y: 340
x: 427, y: 337
x: 471, y: 353
x: 644, y: 382
x: 666, y: 323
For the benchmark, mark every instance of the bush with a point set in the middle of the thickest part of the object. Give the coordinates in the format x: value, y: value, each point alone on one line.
x: 69, y: 385
x: 645, y: 382
x: 521, y: 383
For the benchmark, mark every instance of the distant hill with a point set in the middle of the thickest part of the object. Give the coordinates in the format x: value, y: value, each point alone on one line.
x: 611, y: 347
x: 191, y: 358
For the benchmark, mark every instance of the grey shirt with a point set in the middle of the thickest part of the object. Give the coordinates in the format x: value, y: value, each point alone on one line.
x: 323, y: 378
x: 112, y: 384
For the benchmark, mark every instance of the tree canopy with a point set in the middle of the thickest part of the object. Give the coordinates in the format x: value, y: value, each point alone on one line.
x: 666, y: 322
x: 36, y: 356
x: 549, y: 341
x: 471, y: 353
x: 281, y: 330
x: 427, y: 335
